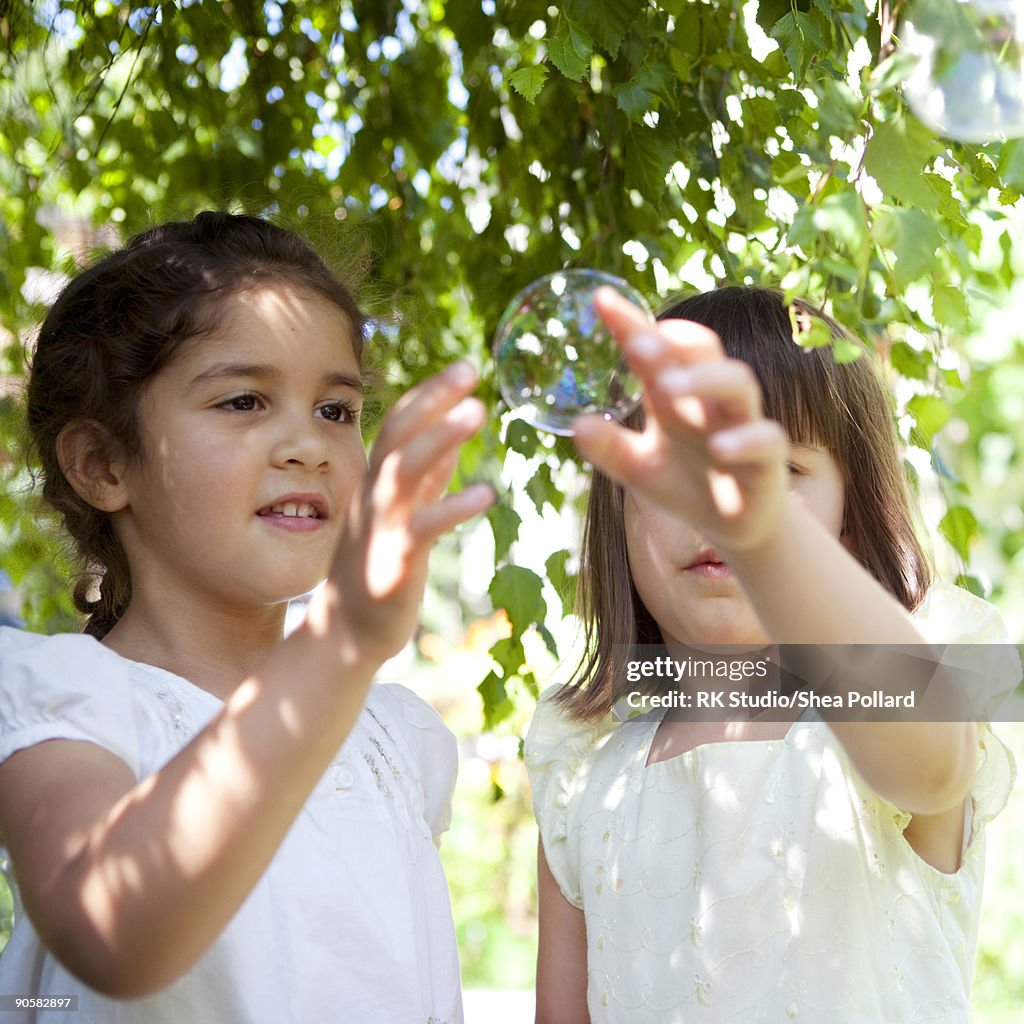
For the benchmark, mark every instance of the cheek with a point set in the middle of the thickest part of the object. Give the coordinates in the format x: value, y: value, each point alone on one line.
x: 825, y: 499
x: 653, y: 548
x: 196, y: 478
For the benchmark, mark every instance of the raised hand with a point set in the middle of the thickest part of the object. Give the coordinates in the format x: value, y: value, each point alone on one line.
x: 373, y: 594
x: 706, y: 453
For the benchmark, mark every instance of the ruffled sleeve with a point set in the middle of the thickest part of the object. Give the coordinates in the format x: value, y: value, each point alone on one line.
x: 66, y: 687
x: 434, y: 752
x: 977, y: 644
x: 555, y: 751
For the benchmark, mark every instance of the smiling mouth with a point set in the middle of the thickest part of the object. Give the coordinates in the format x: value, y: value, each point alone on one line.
x: 291, y: 509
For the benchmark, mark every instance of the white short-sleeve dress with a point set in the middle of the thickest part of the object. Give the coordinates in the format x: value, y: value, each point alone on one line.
x: 763, y: 880
x: 352, y: 919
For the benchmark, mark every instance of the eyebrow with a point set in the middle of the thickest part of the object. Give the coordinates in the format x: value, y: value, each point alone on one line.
x: 263, y: 372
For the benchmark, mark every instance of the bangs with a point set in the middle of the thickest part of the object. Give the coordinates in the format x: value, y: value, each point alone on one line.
x: 804, y: 389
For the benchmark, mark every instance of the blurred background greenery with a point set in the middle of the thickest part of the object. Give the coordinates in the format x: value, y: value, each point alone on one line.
x: 447, y: 153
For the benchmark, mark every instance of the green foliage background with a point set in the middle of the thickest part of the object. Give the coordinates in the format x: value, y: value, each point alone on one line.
x: 454, y: 151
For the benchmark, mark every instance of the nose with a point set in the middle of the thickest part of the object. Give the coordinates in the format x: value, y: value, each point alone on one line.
x: 300, y: 441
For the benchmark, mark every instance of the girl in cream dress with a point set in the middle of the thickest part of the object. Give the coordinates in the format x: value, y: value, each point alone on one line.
x: 774, y: 867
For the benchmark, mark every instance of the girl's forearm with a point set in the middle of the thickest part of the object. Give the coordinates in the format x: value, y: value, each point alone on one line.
x: 157, y: 879
x: 807, y: 589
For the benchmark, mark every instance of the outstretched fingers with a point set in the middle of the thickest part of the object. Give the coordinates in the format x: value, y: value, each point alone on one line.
x: 404, y: 509
x: 622, y: 454
x: 421, y: 406
x: 419, y: 470
x: 762, y: 442
x: 441, y: 516
x: 678, y: 341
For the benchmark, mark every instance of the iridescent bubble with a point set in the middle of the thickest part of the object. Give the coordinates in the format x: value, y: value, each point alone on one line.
x: 968, y: 79
x: 554, y: 357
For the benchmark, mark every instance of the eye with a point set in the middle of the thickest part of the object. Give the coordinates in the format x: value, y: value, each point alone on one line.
x: 795, y: 470
x: 338, y: 412
x: 247, y: 402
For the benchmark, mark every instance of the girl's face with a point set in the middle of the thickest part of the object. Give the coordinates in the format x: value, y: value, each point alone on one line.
x: 681, y: 580
x: 251, y: 451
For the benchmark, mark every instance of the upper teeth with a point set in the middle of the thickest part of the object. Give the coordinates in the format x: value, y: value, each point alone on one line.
x: 290, y: 508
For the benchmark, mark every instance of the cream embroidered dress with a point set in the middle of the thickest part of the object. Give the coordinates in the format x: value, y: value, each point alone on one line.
x: 763, y: 880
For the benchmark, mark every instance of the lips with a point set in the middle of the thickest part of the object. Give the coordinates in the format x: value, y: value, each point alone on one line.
x: 708, y: 564
x: 311, y: 507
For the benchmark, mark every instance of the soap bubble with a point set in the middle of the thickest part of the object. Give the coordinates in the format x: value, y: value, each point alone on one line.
x: 968, y: 80
x: 555, y: 358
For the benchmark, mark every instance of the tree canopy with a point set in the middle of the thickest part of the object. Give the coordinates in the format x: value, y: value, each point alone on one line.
x: 456, y: 151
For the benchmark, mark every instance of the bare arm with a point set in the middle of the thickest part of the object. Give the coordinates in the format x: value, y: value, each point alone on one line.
x: 922, y: 767
x: 128, y: 883
x: 561, y: 954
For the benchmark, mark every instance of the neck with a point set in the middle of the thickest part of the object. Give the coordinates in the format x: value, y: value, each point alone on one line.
x: 215, y: 648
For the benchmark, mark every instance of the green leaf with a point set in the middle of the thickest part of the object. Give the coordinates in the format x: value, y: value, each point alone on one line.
x: 909, y: 362
x: 892, y: 72
x: 607, y: 21
x: 518, y: 591
x: 640, y: 94
x: 510, y: 656
x: 505, y: 522
x: 542, y: 490
x: 497, y: 705
x: 846, y: 351
x: 528, y: 82
x: 896, y: 157
x: 960, y: 527
x: 841, y: 216
x: 971, y: 584
x: 521, y: 437
x: 949, y: 305
x: 564, y: 584
x: 571, y: 49
x: 801, y: 39
x: 552, y: 645
x: 650, y: 153
x: 930, y: 414
x: 913, y: 238
x: 1011, y: 167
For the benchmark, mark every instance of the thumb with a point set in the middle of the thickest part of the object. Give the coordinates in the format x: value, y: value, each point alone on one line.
x: 609, y: 446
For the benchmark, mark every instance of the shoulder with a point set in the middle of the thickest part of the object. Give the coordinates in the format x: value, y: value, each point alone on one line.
x: 974, y: 640
x: 424, y: 741
x: 555, y: 737
x: 559, y: 752
x: 39, y: 668
x: 556, y: 750
x: 417, y: 721
x: 952, y: 615
x: 66, y: 686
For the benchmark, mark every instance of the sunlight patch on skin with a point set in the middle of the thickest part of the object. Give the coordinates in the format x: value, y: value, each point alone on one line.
x: 726, y: 493
x: 691, y: 411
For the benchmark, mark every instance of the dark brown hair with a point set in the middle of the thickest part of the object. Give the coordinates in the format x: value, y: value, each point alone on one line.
x: 118, y: 324
x: 843, y: 407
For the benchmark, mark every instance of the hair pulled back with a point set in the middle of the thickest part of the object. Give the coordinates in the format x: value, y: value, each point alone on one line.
x: 118, y: 324
x: 842, y: 407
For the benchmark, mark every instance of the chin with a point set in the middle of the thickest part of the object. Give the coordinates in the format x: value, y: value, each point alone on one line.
x: 749, y: 634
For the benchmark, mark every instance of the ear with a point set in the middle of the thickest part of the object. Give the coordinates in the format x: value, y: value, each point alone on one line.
x: 91, y: 462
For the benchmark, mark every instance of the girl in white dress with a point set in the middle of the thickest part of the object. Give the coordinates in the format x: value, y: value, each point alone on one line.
x: 207, y: 822
x: 757, y: 869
